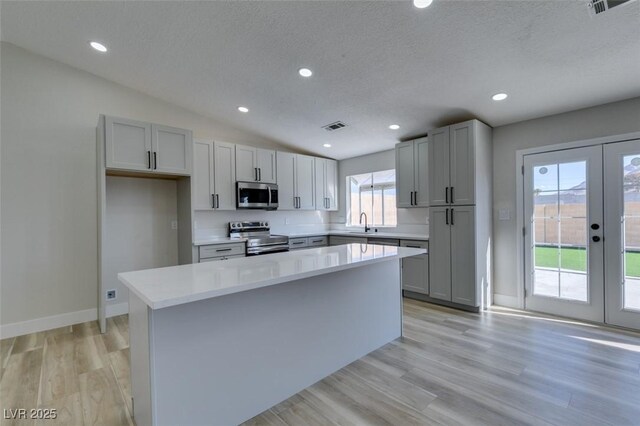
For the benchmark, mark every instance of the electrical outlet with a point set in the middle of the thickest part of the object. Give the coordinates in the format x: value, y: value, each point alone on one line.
x: 174, y: 224
x: 111, y: 294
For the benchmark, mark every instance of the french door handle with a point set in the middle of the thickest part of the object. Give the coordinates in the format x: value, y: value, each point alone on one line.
x: 446, y: 217
x: 446, y: 195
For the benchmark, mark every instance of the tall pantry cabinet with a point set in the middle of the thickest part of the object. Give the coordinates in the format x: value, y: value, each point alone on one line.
x: 460, y: 179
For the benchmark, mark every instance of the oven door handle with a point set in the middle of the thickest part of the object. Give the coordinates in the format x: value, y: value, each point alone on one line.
x: 271, y: 249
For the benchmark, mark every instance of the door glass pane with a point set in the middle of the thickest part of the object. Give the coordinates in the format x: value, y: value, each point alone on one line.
x: 631, y: 231
x: 560, y: 249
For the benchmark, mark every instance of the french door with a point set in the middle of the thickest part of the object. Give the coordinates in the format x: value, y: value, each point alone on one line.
x: 582, y: 233
x: 563, y: 242
x: 622, y: 222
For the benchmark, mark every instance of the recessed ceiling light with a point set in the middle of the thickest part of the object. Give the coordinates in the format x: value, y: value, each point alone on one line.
x: 243, y: 109
x: 305, y: 72
x: 421, y: 4
x: 98, y: 46
x: 394, y: 127
x: 499, y: 97
x: 327, y: 145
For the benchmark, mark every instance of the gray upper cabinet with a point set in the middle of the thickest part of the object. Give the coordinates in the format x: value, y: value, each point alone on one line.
x: 326, y: 184
x: 153, y: 148
x: 453, y: 176
x: 127, y: 144
x: 213, y: 180
x: 412, y: 179
x: 255, y: 164
x: 171, y: 149
x: 296, y: 181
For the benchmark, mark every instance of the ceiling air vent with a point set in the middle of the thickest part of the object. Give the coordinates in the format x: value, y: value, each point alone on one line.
x: 334, y: 126
x: 597, y: 7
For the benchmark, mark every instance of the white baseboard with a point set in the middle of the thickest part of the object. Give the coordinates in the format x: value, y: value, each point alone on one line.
x: 47, y: 323
x: 117, y: 309
x: 62, y: 320
x: 508, y: 301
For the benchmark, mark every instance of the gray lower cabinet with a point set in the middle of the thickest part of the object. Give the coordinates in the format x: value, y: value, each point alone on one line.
x: 298, y: 243
x: 415, y: 269
x: 215, y: 252
x: 306, y: 242
x: 336, y: 240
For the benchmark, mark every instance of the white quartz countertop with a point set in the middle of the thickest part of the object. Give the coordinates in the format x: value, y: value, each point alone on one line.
x: 176, y: 285
x: 370, y: 234
x: 218, y: 240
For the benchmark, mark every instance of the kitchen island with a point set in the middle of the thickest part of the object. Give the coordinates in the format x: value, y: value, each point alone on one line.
x: 219, y: 342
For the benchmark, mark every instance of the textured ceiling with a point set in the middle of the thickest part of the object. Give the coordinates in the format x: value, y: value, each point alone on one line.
x: 375, y: 63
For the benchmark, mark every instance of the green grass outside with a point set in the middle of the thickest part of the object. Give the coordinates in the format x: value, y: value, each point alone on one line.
x: 575, y: 259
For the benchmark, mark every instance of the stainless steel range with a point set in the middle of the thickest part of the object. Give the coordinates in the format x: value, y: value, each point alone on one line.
x: 259, y: 238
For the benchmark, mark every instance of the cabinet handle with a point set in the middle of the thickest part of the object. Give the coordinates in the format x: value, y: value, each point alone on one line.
x: 451, y: 216
x: 317, y: 241
x: 298, y: 242
x: 412, y: 246
x: 415, y: 198
x: 259, y: 174
x: 149, y: 158
x: 224, y: 249
x: 155, y: 160
x: 213, y: 201
x: 446, y: 217
x: 452, y: 198
x: 446, y: 195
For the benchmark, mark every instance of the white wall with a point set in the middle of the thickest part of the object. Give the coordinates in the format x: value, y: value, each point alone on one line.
x: 48, y: 178
x: 409, y: 220
x: 604, y: 120
x: 140, y: 236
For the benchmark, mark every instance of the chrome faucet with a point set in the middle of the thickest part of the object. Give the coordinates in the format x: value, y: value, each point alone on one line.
x: 366, y: 227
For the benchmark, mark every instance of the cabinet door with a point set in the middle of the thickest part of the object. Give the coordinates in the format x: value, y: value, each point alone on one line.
x: 415, y: 269
x: 225, y: 175
x: 266, y: 163
x: 171, y: 149
x: 320, y: 165
x: 331, y: 185
x: 415, y: 274
x: 127, y: 144
x: 463, y: 170
x: 286, y: 171
x: 202, y: 178
x: 421, y: 172
x: 463, y: 259
x: 404, y: 174
x: 439, y: 253
x: 305, y: 178
x: 438, y: 148
x: 246, y: 163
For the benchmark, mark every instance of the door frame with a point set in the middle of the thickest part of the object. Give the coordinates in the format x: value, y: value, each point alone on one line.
x: 518, y: 300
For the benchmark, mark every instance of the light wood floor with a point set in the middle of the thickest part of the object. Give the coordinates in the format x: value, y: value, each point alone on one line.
x: 498, y: 367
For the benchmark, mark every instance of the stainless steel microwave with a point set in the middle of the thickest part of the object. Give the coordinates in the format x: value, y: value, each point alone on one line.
x: 254, y: 195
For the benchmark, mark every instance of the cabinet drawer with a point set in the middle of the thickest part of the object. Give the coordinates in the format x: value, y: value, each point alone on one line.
x: 296, y: 243
x: 221, y: 250
x: 318, y: 241
x: 215, y: 259
x: 337, y: 240
x: 415, y: 244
